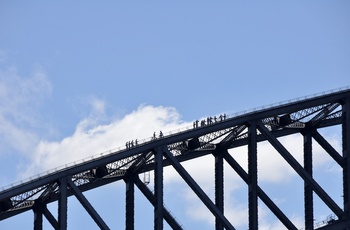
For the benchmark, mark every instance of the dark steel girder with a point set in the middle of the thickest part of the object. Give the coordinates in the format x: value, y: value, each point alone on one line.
x: 325, y: 118
x: 200, y: 131
x: 88, y: 207
x: 63, y: 204
x: 300, y: 170
x: 346, y: 155
x: 308, y: 193
x: 197, y: 190
x: 152, y: 199
x: 129, y: 202
x: 252, y: 176
x: 284, y: 132
x: 262, y: 195
x: 158, y: 189
x: 39, y: 210
x: 328, y: 147
x: 52, y: 220
x: 219, y: 185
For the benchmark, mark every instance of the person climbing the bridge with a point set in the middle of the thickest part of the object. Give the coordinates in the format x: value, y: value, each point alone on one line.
x: 208, y: 121
x: 160, y: 134
x: 197, y: 122
x: 154, y: 136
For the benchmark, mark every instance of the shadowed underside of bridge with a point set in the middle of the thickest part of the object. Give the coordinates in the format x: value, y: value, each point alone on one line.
x: 216, y: 138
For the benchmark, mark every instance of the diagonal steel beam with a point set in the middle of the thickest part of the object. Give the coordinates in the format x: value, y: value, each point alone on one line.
x: 52, y: 220
x: 328, y: 147
x: 39, y: 210
x: 152, y: 199
x: 300, y: 170
x: 263, y: 196
x: 196, y: 189
x: 88, y: 207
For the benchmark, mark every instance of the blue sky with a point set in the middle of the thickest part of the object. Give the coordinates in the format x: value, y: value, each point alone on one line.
x: 80, y: 78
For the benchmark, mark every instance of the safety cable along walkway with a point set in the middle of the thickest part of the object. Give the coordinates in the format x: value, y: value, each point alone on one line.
x: 213, y: 136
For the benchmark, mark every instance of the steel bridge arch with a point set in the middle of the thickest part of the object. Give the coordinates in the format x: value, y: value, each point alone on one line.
x: 212, y: 137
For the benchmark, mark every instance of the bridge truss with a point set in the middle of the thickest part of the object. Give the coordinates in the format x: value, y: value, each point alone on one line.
x: 304, y: 117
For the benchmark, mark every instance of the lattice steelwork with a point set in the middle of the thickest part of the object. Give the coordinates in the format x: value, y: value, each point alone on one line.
x: 303, y: 116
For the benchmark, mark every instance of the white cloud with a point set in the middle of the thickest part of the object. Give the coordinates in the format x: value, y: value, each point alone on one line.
x: 91, y: 138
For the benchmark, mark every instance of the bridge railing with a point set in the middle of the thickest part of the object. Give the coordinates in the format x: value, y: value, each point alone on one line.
x: 329, y: 220
x: 166, y: 134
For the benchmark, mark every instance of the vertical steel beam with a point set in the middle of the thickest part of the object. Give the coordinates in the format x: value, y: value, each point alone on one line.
x: 308, y: 193
x: 196, y: 189
x: 219, y: 186
x: 129, y: 203
x: 346, y: 156
x: 253, y: 176
x: 151, y: 198
x: 158, y: 188
x: 38, y: 217
x: 62, y: 204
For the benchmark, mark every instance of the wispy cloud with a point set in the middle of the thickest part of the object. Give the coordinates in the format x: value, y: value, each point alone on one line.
x: 19, y: 100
